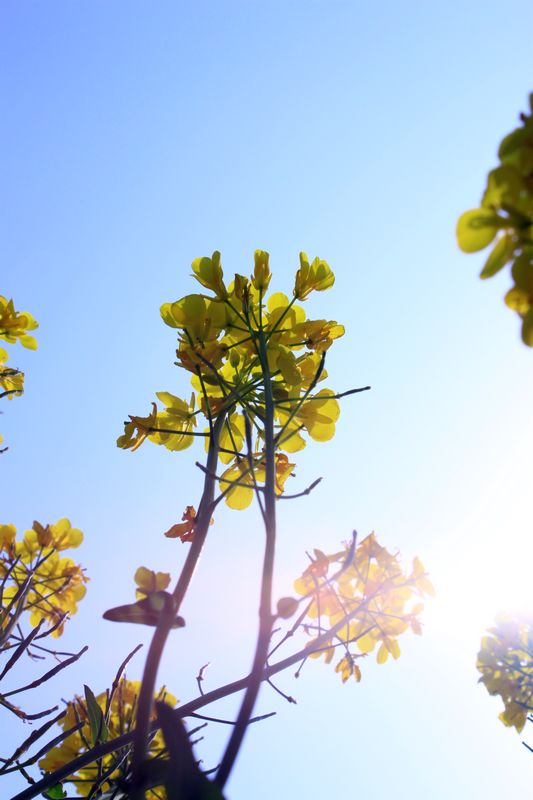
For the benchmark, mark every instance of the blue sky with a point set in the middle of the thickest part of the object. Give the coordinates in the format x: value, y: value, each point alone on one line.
x: 137, y: 137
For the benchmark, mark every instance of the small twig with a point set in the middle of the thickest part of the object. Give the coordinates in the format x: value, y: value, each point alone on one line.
x: 231, y: 721
x: 43, y: 751
x: 177, y: 433
x: 32, y: 738
x: 300, y: 494
x: 336, y: 396
x: 200, y: 677
x: 225, y: 480
x: 116, y: 680
x: 47, y: 675
x: 23, y: 646
x: 297, y: 673
x: 287, y: 697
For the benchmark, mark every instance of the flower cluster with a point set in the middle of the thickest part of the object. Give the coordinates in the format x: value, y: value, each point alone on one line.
x: 227, y: 341
x: 11, y: 380
x: 506, y: 218
x: 118, y: 709
x: 363, y: 598
x: 14, y: 326
x: 34, y: 577
x: 506, y: 665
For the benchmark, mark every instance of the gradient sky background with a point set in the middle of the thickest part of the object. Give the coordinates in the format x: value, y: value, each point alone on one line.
x: 136, y: 137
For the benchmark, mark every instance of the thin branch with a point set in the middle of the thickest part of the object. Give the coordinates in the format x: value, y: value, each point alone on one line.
x: 144, y: 707
x: 200, y: 677
x: 266, y: 619
x: 300, y: 494
x: 47, y: 675
x: 23, y: 646
x: 338, y: 396
x: 231, y: 721
x: 286, y: 697
x: 32, y: 738
x: 116, y: 681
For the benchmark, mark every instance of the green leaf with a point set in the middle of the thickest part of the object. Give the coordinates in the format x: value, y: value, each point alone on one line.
x: 522, y: 272
x: 477, y: 228
x: 99, y: 730
x: 500, y: 255
x: 511, y: 143
x: 503, y: 187
x: 55, y: 793
x: 527, y: 328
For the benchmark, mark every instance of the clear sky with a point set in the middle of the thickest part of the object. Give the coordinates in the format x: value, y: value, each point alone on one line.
x: 138, y: 136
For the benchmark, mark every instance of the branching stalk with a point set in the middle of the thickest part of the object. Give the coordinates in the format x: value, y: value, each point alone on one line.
x: 162, y: 630
x: 266, y: 618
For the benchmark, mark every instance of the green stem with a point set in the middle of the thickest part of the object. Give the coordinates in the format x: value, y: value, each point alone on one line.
x: 266, y: 619
x: 144, y: 707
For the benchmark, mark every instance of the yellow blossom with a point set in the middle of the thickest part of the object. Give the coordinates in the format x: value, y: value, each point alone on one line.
x: 56, y: 589
x: 505, y: 661
x: 59, y: 536
x: 174, y: 425
x: 201, y: 318
x: 15, y: 324
x: 368, y: 597
x: 316, y: 276
x: 149, y: 581
x: 7, y: 537
x: 262, y: 274
x: 137, y: 430
x: 120, y: 716
x: 208, y: 272
x: 11, y: 380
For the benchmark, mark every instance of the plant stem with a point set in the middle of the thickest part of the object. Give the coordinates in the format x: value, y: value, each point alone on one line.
x: 146, y: 695
x: 266, y: 618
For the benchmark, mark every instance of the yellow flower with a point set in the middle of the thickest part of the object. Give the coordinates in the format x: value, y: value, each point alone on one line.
x: 175, y: 423
x: 206, y: 357
x: 369, y: 594
x: 60, y: 536
x: 11, y: 380
x: 149, y: 581
x: 231, y: 438
x: 208, y: 272
x: 137, y: 430
x: 347, y: 667
x: 120, y: 717
x: 7, y: 537
x: 316, y: 276
x: 241, y: 494
x: 56, y: 589
x: 282, y: 359
x: 317, y: 415
x: 318, y: 334
x: 262, y: 274
x: 239, y: 287
x: 282, y: 320
x: 15, y: 324
x: 506, y: 665
x: 201, y: 318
